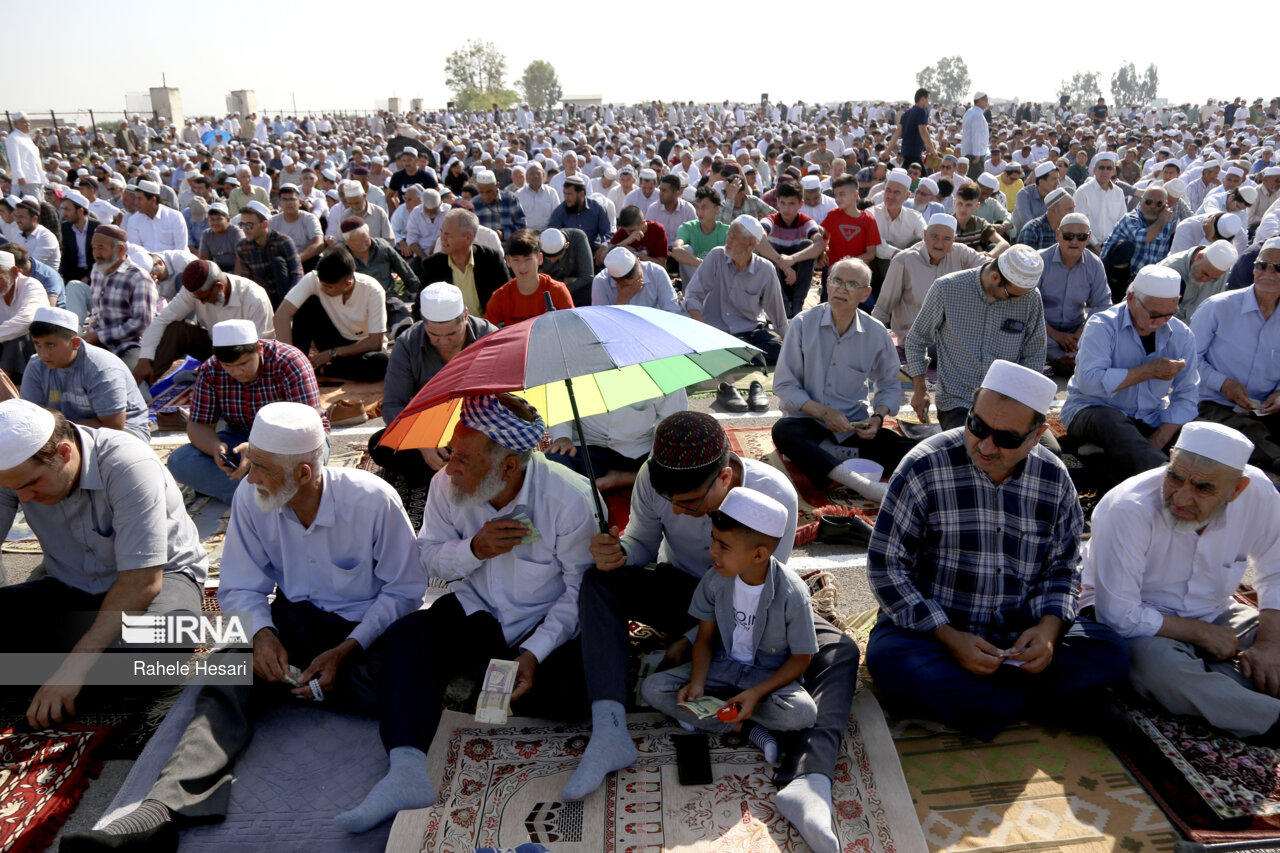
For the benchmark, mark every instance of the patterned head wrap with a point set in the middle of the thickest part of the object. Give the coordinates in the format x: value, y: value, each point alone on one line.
x: 487, y: 415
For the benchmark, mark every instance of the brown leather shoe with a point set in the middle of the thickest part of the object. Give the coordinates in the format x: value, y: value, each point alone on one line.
x: 347, y: 413
x: 174, y: 420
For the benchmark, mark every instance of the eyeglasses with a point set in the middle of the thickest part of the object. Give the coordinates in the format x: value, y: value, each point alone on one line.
x: 834, y: 283
x: 1153, y: 316
x: 1012, y: 297
x: 685, y: 505
x: 1263, y: 266
x: 1000, y: 437
x: 1075, y: 238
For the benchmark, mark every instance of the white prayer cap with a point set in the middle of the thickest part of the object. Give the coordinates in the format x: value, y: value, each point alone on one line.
x: 286, y: 161
x: 928, y: 184
x: 24, y: 429
x: 749, y: 225
x: 1221, y: 255
x: 287, y: 429
x: 351, y: 189
x: 1029, y: 387
x: 1249, y: 194
x: 900, y: 176
x: 1102, y: 157
x: 1237, y: 171
x: 290, y: 186
x: 648, y: 175
x: 1158, y: 282
x: 19, y: 115
x: 234, y: 333
x: 1214, y: 441
x: 1021, y: 266
x: 258, y: 208
x: 978, y: 96
x: 1229, y: 225
x: 1271, y: 172
x: 243, y: 169
x: 552, y: 240
x: 756, y: 510
x: 943, y: 220
x: 1044, y: 169
x: 58, y: 317
x: 485, y: 177
x: 333, y: 194
x: 76, y: 198
x: 408, y: 149
x: 811, y: 182
x: 219, y: 207
x: 620, y: 262
x: 1176, y: 188
x: 7, y: 260
x: 989, y: 181
x: 330, y: 175
x: 441, y: 302
x: 149, y: 187
x: 1271, y: 245
x: 1074, y: 218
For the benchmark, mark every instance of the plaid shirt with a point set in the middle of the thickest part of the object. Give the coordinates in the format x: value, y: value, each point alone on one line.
x: 971, y: 333
x: 1038, y: 234
x: 953, y: 548
x: 1132, y: 228
x: 124, y: 302
x: 505, y: 214
x: 255, y: 261
x: 284, y: 376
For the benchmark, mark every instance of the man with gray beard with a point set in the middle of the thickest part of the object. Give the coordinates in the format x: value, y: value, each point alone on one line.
x: 1169, y: 549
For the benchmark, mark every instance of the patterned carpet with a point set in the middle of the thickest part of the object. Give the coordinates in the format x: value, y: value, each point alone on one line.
x: 42, y: 777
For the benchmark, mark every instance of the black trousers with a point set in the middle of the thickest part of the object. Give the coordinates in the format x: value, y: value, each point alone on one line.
x: 312, y: 327
x: 429, y: 648
x: 799, y: 437
x: 407, y: 463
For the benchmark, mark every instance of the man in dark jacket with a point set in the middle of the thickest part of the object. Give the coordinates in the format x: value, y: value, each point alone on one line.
x: 475, y: 270
x: 78, y: 225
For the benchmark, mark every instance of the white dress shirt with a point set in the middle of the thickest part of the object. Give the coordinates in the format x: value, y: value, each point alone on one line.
x: 246, y: 300
x: 537, y: 205
x: 1103, y: 207
x: 534, y: 586
x: 166, y: 230
x: 628, y: 430
x: 24, y: 161
x: 897, y: 234
x: 422, y: 230
x: 28, y: 294
x: 41, y: 244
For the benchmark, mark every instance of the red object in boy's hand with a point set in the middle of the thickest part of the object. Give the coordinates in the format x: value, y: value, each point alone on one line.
x: 729, y: 713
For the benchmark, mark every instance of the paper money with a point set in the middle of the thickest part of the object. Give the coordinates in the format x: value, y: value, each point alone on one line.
x: 292, y: 677
x: 703, y: 707
x: 648, y: 666
x: 494, y: 704
x: 532, y: 535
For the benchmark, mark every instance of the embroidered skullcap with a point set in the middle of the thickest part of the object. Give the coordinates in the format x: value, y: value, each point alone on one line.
x: 756, y: 510
x: 688, y: 440
x: 58, y: 317
x: 351, y: 223
x: 1158, y: 282
x: 485, y: 177
x: 351, y: 189
x: 1176, y: 188
x: 24, y: 429
x: 286, y: 429
x: 441, y: 302
x: 1021, y: 266
x: 234, y: 333
x: 486, y: 414
x: 943, y: 220
x: 552, y: 240
x: 1214, y: 441
x: 811, y: 182
x: 149, y: 187
x: 200, y: 275
x: 1054, y: 197
x: 115, y: 232
x: 749, y: 225
x: 30, y: 203
x: 1221, y: 255
x: 1029, y: 387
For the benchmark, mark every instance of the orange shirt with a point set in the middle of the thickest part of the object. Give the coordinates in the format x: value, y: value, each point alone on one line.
x: 508, y: 305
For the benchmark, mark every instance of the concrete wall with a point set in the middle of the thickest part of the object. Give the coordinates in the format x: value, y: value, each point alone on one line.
x: 243, y: 101
x: 167, y: 103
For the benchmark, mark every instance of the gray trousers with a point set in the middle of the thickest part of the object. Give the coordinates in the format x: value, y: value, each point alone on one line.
x: 1123, y: 439
x: 787, y: 709
x: 1264, y: 432
x: 1171, y: 674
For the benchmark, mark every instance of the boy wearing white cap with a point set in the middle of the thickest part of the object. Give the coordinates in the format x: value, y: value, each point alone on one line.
x: 115, y: 536
x: 755, y: 632
x: 975, y: 563
x: 90, y: 386
x: 1136, y: 377
x: 1168, y: 551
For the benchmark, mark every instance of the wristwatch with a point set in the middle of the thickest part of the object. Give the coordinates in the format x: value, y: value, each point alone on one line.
x: 333, y: 353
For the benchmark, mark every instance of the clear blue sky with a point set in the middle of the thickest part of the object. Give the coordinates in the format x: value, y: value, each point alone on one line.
x: 408, y: 62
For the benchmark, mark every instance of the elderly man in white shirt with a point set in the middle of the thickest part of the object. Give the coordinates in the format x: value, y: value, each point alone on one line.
x: 336, y: 548
x: 510, y: 532
x: 913, y: 271
x: 156, y: 227
x: 1169, y: 549
x: 538, y: 198
x: 24, y: 158
x: 900, y: 227
x: 1101, y: 199
x: 423, y: 227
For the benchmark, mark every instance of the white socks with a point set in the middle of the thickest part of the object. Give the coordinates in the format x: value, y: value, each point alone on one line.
x: 860, y: 484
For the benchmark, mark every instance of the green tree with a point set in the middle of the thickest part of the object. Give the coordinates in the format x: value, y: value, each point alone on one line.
x: 477, y: 66
x: 947, y: 79
x: 540, y: 84
x: 1128, y: 87
x: 1082, y: 90
x: 472, y: 98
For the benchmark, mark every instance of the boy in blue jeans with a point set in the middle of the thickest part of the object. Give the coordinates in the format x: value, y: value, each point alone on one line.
x: 755, y: 632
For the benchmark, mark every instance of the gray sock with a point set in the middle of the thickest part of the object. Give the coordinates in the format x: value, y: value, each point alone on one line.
x: 406, y: 786
x: 767, y: 743
x: 149, y: 814
x: 609, y: 749
x: 805, y: 802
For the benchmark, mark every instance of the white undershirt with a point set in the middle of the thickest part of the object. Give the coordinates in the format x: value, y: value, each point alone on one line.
x: 746, y: 601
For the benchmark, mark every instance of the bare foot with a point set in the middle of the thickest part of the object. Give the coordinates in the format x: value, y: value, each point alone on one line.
x: 615, y: 480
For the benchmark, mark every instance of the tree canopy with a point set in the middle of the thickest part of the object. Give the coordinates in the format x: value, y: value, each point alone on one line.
x: 1082, y: 90
x: 1130, y: 87
x: 541, y: 85
x: 947, y: 79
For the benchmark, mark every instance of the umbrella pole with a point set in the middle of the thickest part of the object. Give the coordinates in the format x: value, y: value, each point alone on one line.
x: 586, y: 458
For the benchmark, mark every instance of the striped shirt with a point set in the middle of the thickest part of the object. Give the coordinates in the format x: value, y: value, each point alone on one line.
x: 789, y: 238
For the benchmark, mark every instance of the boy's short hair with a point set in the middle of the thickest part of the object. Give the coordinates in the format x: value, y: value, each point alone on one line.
x: 524, y: 244
x: 41, y: 329
x: 727, y: 524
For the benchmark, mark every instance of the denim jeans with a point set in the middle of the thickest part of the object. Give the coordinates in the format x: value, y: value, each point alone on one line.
x: 192, y: 467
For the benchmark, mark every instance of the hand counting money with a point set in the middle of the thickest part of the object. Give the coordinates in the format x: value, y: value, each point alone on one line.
x: 703, y: 707
x: 494, y: 704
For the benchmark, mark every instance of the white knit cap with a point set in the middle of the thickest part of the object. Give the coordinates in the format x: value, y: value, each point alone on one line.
x: 1158, y: 282
x: 1221, y: 255
x: 1176, y: 188
x: 287, y: 429
x: 352, y: 189
x: 944, y: 220
x: 441, y: 302
x: 750, y: 225
x: 1021, y: 266
x: 756, y: 510
x: 58, y: 317
x: 24, y: 429
x: 234, y: 333
x: 7, y: 261
x: 485, y: 177
x: 1230, y: 224
x: 258, y: 208
x: 1217, y: 442
x: 1044, y: 169
x: 1029, y: 387
x: 620, y: 262
x: 900, y: 176
x: 552, y: 241
x: 811, y: 182
x: 989, y: 181
x: 1074, y: 218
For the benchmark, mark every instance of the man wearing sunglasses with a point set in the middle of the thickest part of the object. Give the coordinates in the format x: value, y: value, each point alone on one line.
x: 1238, y: 339
x: 1140, y: 238
x: 1073, y: 287
x: 975, y: 562
x: 1136, y: 376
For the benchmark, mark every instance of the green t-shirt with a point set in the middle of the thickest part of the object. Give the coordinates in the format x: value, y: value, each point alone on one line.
x: 699, y: 243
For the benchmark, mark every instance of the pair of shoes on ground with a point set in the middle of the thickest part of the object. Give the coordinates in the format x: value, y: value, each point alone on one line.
x: 731, y: 398
x: 843, y: 530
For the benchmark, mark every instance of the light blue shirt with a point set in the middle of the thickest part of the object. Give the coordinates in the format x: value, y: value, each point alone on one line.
x: 357, y: 560
x: 1071, y: 295
x: 97, y: 383
x: 656, y: 293
x: 1236, y: 342
x: 1110, y: 346
x: 782, y: 625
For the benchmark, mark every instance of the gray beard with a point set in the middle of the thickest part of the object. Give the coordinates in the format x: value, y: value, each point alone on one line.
x: 103, y: 268
x: 271, y: 503
x: 485, y: 491
x: 1191, y: 526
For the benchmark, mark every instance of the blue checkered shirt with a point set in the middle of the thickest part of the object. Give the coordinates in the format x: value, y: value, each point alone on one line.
x: 1132, y: 228
x: 953, y: 548
x: 1038, y: 234
x: 505, y: 214
x: 124, y: 303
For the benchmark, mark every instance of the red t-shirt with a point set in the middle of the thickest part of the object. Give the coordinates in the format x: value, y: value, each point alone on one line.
x: 508, y: 305
x: 654, y: 243
x: 849, y: 236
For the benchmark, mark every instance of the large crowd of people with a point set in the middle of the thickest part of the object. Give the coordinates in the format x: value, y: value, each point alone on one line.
x: 1132, y: 251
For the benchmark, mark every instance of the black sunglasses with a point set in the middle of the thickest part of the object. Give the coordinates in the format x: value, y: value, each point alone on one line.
x: 1262, y: 266
x: 1000, y: 437
x: 1075, y: 238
